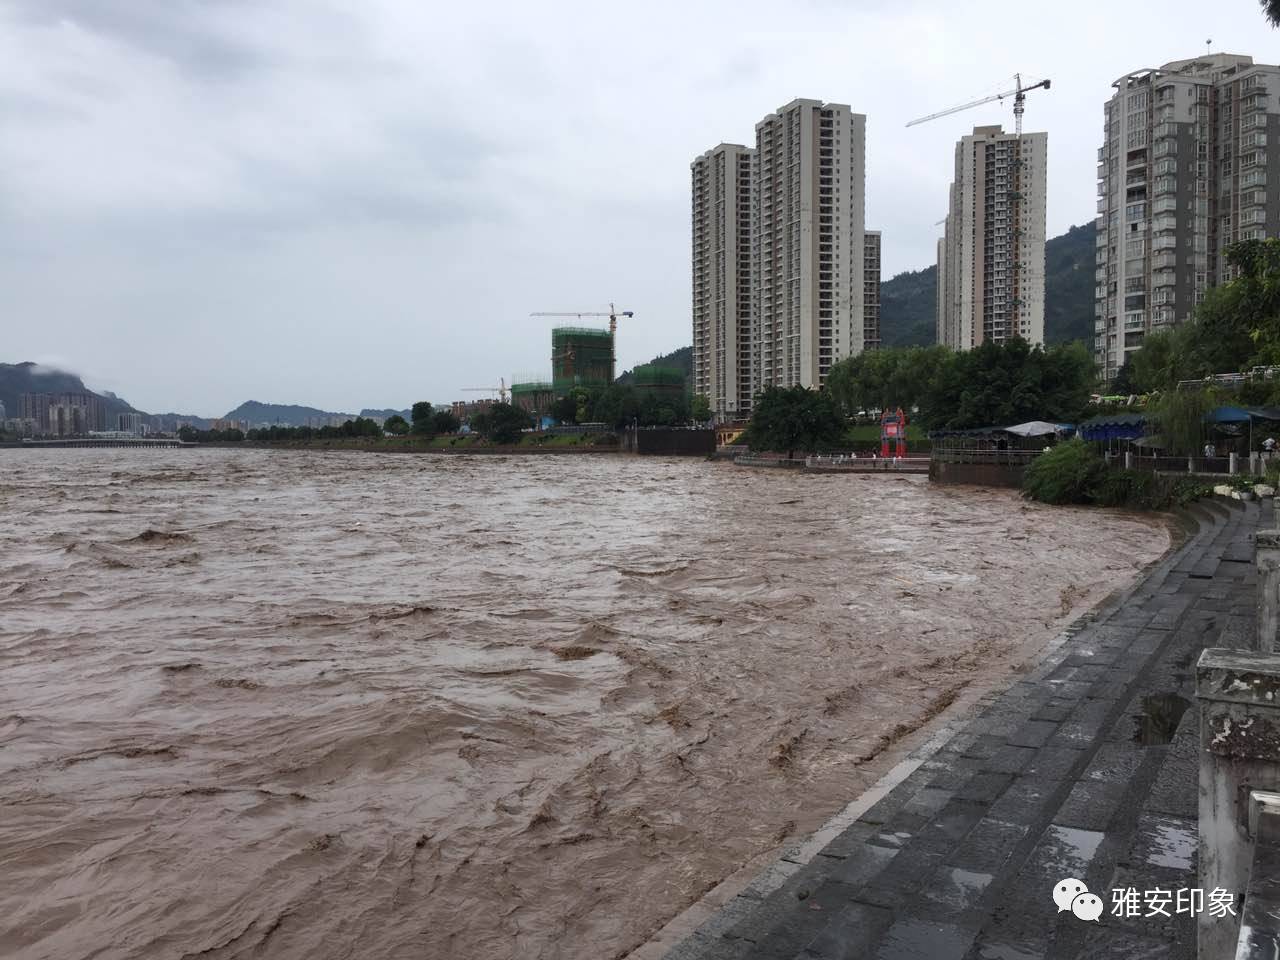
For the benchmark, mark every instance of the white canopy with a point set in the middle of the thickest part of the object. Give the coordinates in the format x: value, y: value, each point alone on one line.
x: 1033, y: 428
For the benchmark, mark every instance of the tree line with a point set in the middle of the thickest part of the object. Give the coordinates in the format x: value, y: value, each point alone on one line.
x: 995, y: 384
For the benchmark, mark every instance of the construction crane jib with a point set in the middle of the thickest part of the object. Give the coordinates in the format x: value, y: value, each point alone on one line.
x: 1019, y: 94
x: 500, y: 389
x: 613, y: 316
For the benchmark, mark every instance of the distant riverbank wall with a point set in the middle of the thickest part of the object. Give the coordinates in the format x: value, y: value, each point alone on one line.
x: 673, y: 442
x: 988, y: 468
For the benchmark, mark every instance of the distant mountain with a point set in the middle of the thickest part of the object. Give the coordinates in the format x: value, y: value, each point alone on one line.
x: 908, y: 302
x: 1069, y: 267
x: 19, y: 378
x: 384, y: 414
x: 286, y: 415
x: 909, y: 308
x: 168, y: 422
x: 681, y: 359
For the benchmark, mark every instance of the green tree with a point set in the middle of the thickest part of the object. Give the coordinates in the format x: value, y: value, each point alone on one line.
x: 1124, y: 381
x: 501, y: 423
x: 421, y: 415
x: 396, y: 425
x: 700, y: 408
x: 443, y: 421
x: 1271, y: 9
x: 565, y: 409
x: 1180, y: 415
x: 1161, y: 362
x: 997, y: 384
x: 794, y: 418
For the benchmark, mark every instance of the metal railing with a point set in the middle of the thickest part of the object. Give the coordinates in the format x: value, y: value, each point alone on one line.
x: 867, y: 464
x: 1013, y: 457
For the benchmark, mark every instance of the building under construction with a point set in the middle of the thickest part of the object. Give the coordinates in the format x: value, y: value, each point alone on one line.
x: 533, y: 396
x: 663, y: 382
x: 580, y: 357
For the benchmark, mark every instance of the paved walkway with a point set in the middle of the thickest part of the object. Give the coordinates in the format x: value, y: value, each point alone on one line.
x: 1085, y: 768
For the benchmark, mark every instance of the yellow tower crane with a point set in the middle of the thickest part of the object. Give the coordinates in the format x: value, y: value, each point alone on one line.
x: 613, y: 316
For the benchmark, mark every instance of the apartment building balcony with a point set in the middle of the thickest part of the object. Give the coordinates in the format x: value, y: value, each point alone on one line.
x: 1163, y: 261
x: 1256, y: 121
x: 1164, y: 242
x: 1253, y: 198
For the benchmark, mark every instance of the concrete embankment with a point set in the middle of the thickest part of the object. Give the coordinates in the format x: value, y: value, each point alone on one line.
x: 1084, y: 768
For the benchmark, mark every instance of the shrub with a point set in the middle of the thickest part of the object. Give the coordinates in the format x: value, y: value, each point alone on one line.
x: 1183, y: 490
x: 1130, y: 488
x: 1069, y: 473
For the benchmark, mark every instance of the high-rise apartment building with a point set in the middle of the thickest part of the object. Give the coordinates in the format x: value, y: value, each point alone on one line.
x: 807, y: 265
x: 722, y: 279
x: 786, y: 282
x: 64, y: 414
x: 991, y: 257
x: 871, y: 290
x: 1182, y: 174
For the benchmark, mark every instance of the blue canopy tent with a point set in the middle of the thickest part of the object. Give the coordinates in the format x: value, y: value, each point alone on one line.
x: 1238, y: 421
x: 1114, y: 426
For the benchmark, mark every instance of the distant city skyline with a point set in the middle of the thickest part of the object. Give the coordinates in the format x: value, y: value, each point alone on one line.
x: 206, y: 203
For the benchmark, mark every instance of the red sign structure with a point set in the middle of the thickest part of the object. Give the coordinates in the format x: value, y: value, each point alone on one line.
x: 893, y: 428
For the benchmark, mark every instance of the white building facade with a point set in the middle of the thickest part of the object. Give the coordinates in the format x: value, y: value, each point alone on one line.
x: 721, y: 212
x: 991, y: 256
x: 809, y: 189
x: 1189, y: 165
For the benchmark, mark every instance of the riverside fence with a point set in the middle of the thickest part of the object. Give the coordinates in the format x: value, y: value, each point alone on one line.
x: 1239, y: 816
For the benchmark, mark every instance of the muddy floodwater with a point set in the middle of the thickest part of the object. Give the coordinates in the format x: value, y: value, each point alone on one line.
x: 296, y: 704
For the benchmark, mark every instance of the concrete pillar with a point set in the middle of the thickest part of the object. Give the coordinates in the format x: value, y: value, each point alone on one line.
x: 1128, y: 459
x: 1233, y: 463
x: 1239, y: 694
x: 1191, y: 465
x: 1268, y: 561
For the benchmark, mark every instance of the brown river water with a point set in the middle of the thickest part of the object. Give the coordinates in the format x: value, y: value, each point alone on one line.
x: 296, y: 704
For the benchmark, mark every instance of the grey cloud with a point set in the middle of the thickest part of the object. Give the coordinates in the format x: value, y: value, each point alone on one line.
x: 188, y: 33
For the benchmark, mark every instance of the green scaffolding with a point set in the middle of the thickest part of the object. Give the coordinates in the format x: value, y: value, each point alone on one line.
x: 535, y: 396
x: 580, y: 357
x: 662, y: 381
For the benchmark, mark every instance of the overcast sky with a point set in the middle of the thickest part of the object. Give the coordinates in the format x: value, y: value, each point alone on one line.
x: 349, y: 204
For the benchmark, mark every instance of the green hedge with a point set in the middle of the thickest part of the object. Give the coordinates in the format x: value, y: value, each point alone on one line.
x: 1073, y: 472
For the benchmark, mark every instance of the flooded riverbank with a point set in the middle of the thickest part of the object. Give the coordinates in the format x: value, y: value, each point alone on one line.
x: 306, y: 705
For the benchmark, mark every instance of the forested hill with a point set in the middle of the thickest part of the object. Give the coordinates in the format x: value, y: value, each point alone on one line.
x: 908, y: 302
x: 681, y: 359
x: 290, y: 415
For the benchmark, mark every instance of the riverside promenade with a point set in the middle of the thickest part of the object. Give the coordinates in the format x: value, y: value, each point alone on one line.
x: 1086, y: 767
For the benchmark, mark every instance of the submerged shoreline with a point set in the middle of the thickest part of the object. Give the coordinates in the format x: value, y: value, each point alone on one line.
x: 415, y: 707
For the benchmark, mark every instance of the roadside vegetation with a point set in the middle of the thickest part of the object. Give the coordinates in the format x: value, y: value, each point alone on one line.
x: 1074, y: 473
